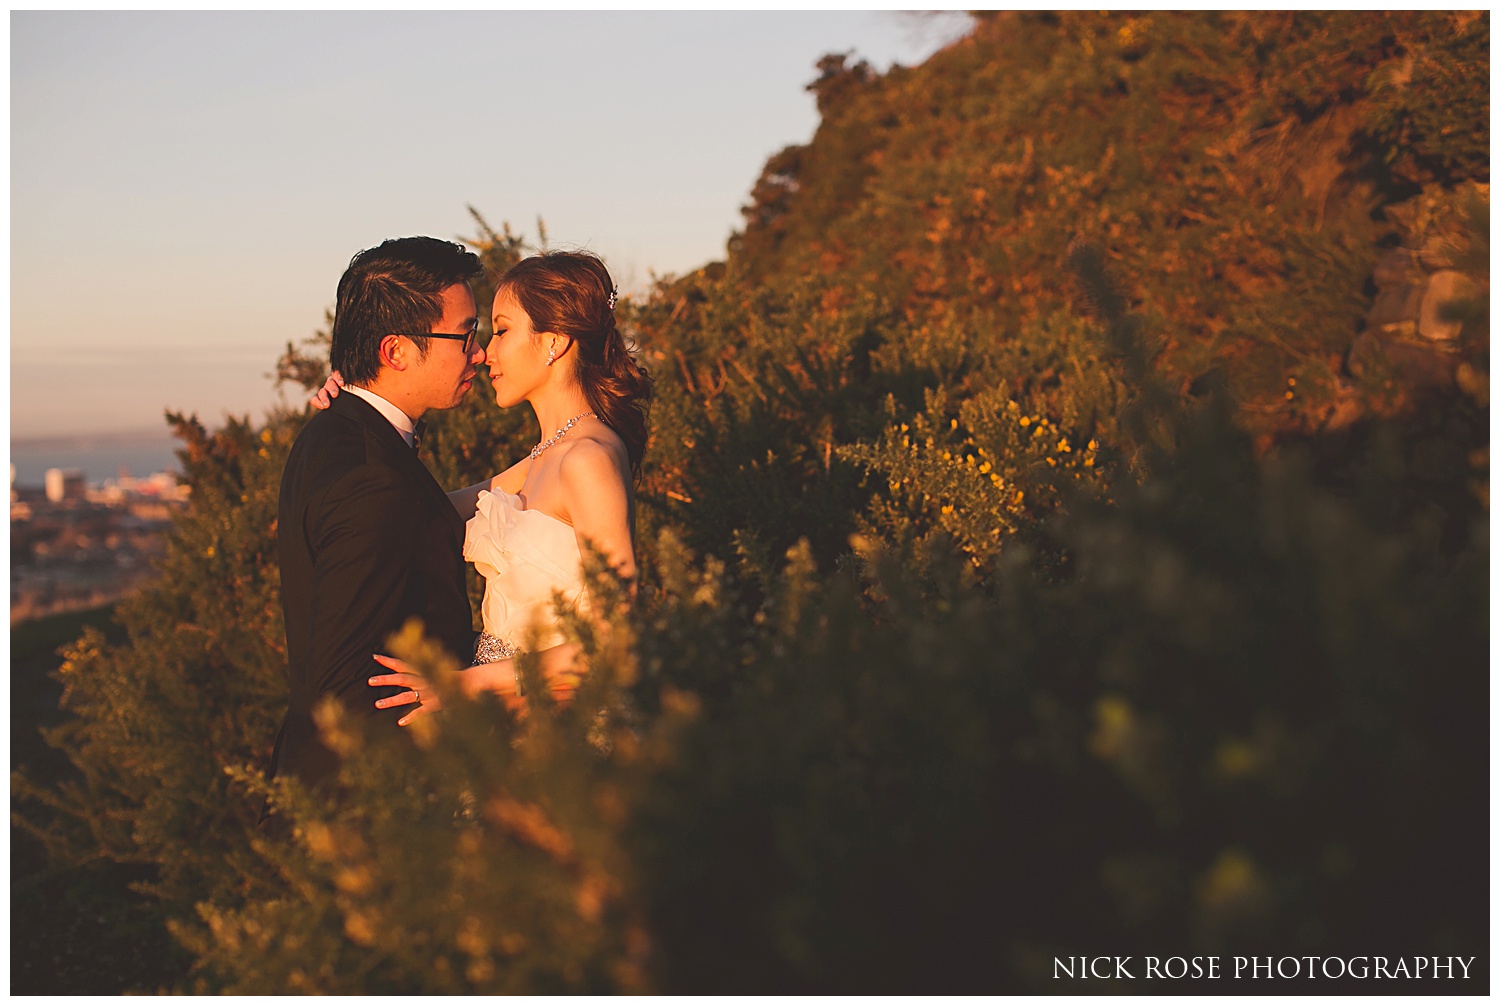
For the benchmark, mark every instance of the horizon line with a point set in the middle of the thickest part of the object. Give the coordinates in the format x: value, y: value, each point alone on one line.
x: 106, y: 438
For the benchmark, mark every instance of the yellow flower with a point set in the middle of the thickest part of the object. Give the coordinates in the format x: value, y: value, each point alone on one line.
x: 995, y: 479
x: 1025, y: 420
x: 1064, y: 447
x: 1232, y: 878
x: 947, y: 509
x: 984, y: 469
x: 360, y: 929
x: 320, y: 841
x: 1093, y: 445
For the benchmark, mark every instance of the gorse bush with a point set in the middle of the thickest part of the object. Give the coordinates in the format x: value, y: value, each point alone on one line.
x: 1054, y: 539
x: 194, y: 690
x: 1234, y: 730
x: 1234, y: 166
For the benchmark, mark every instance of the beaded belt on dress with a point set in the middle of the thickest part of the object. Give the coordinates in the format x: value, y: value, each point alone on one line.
x: 488, y: 648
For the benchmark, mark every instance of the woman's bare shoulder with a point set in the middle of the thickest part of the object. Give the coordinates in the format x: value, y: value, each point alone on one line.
x: 597, y: 453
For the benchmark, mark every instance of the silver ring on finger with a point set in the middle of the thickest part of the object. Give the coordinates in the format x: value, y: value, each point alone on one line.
x: 416, y: 696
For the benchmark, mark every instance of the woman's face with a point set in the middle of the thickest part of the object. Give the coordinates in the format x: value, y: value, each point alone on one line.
x: 516, y: 357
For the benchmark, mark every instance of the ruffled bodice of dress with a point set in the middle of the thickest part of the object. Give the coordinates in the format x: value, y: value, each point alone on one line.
x: 524, y: 556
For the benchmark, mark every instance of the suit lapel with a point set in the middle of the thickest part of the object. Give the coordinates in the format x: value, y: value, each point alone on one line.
x: 404, y: 458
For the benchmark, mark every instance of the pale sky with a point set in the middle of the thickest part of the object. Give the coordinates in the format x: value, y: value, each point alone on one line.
x: 186, y: 188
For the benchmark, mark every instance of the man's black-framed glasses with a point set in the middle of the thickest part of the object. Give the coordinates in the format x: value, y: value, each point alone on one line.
x: 470, y: 339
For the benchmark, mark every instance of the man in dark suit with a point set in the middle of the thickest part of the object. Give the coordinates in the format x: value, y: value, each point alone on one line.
x: 367, y: 537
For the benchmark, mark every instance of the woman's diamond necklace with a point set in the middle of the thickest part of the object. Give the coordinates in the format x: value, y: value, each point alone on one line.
x: 536, y: 451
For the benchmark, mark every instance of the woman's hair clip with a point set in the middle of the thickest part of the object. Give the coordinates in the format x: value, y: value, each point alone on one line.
x: 614, y: 294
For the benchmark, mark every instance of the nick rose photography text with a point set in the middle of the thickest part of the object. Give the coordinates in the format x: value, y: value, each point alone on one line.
x: 1262, y: 967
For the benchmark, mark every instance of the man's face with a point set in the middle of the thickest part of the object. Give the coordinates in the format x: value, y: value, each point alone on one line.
x: 442, y: 378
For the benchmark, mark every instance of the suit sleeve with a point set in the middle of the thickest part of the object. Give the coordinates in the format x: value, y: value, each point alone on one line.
x: 361, y: 543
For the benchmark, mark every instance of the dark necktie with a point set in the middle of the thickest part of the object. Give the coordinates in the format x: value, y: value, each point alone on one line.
x: 417, y: 433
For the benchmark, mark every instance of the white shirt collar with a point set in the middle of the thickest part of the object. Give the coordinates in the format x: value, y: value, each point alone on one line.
x: 400, y: 420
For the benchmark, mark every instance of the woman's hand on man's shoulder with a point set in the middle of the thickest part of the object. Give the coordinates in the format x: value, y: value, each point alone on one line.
x: 328, y: 392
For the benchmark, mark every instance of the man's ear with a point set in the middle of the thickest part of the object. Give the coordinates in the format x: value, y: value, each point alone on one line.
x: 394, y: 353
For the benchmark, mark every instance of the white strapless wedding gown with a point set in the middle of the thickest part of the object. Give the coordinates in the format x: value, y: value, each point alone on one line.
x: 525, y: 557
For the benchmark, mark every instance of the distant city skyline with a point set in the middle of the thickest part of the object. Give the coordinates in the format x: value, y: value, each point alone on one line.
x: 186, y: 188
x: 99, y: 457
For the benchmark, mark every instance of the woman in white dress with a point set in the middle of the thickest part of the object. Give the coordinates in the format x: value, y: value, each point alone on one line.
x: 556, y: 346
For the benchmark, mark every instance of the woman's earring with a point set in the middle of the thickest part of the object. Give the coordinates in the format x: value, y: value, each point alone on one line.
x: 551, y: 355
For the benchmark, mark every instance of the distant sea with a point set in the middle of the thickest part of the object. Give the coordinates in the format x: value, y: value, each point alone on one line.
x: 99, y: 457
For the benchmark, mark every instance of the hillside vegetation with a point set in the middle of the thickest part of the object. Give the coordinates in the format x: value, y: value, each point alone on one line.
x: 1064, y: 531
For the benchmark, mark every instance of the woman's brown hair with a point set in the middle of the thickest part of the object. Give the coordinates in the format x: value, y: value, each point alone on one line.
x: 571, y: 293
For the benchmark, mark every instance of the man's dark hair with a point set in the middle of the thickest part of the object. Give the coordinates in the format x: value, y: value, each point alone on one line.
x: 396, y: 287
